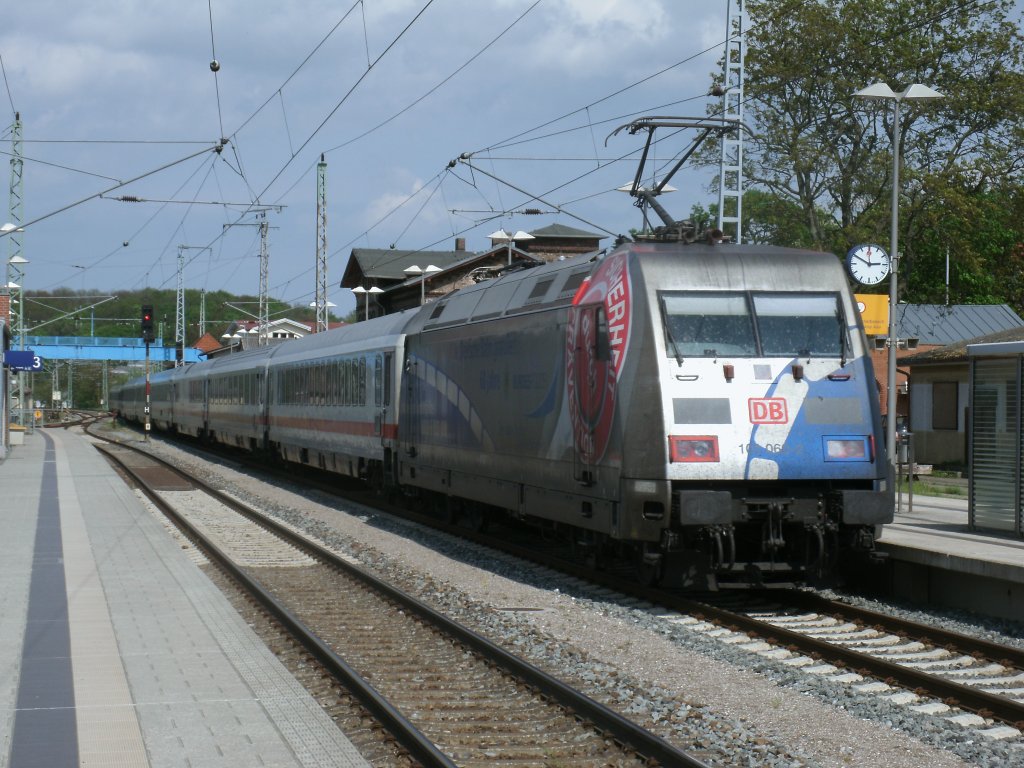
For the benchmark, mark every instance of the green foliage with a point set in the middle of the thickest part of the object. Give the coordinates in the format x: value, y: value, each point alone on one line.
x: 819, y: 161
x: 65, y: 312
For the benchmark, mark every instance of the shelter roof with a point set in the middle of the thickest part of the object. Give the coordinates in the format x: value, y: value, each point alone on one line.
x: 957, y: 352
x: 951, y: 324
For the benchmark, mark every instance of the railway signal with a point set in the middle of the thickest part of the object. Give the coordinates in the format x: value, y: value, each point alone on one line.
x: 148, y: 334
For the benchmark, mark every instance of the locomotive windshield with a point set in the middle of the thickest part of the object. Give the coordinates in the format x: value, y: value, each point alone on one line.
x: 746, y: 324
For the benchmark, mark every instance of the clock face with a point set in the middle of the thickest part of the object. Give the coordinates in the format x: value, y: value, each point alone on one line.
x: 868, y: 264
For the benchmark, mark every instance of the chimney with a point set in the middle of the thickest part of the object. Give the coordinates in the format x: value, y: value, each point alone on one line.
x: 460, y: 243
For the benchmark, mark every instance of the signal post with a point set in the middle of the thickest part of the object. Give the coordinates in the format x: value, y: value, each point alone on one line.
x: 148, y: 336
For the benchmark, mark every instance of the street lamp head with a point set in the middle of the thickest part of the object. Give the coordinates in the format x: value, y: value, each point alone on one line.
x: 8, y: 227
x: 876, y: 91
x: 520, y: 235
x: 359, y: 290
x: 431, y: 269
x: 17, y: 260
x: 920, y: 92
x: 375, y: 289
x: 412, y: 270
x: 501, y: 235
x: 915, y: 92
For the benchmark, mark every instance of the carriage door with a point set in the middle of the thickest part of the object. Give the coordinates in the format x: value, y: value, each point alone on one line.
x: 380, y: 409
x: 409, y: 413
x: 590, y: 409
x: 204, y: 408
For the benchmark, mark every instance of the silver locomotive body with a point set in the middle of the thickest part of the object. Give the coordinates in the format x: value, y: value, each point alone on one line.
x: 708, y: 410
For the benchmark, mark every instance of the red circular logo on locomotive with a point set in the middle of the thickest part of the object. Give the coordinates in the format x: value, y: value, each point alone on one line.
x: 597, y: 336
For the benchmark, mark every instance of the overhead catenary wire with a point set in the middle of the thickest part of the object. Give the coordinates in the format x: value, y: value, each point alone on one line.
x: 7, y: 85
x: 589, y: 124
x: 215, y: 68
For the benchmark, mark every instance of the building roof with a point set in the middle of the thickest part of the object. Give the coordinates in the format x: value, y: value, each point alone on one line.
x: 389, y: 264
x: 957, y: 352
x: 206, y: 343
x: 563, y: 232
x: 942, y: 324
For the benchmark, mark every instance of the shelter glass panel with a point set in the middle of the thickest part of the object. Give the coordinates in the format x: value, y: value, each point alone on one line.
x: 995, y: 443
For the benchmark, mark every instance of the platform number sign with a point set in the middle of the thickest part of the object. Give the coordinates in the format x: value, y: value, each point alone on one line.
x: 148, y: 334
x: 23, y: 360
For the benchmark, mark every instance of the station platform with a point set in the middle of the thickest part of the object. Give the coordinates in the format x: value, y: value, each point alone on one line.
x: 116, y: 649
x: 934, y: 557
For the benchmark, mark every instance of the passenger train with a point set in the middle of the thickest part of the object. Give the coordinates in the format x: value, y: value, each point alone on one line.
x: 705, y: 409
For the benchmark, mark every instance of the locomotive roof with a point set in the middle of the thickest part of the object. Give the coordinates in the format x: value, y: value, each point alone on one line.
x: 702, y: 266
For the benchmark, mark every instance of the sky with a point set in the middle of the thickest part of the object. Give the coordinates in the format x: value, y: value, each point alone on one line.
x: 118, y: 99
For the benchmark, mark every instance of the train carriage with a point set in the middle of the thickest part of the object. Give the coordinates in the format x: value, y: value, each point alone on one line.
x: 331, y: 399
x: 233, y: 408
x: 190, y: 411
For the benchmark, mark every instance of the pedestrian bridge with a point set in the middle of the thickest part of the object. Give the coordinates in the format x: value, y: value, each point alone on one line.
x: 104, y: 348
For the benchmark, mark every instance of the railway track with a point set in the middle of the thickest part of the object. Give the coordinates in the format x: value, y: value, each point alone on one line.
x: 927, y: 668
x: 447, y: 695
x: 971, y: 682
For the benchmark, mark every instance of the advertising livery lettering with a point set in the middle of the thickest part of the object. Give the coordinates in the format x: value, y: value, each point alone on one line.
x: 596, y: 343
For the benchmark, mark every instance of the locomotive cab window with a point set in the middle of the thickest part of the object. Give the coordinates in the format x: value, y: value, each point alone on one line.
x: 799, y: 325
x: 708, y: 325
x: 743, y: 324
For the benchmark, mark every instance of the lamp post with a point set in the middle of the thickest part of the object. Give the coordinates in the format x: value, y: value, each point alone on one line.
x: 360, y: 291
x: 914, y: 92
x: 413, y: 270
x: 502, y: 235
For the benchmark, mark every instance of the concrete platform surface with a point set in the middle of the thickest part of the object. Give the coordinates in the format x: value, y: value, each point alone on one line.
x: 934, y: 558
x: 116, y: 649
x: 934, y: 531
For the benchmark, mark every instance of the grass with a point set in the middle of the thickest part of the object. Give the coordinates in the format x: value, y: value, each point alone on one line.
x: 924, y: 488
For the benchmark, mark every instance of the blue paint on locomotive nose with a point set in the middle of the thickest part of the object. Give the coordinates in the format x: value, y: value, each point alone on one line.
x: 832, y: 408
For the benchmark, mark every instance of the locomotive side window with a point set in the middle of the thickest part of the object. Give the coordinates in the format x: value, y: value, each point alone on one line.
x: 708, y: 325
x: 792, y: 325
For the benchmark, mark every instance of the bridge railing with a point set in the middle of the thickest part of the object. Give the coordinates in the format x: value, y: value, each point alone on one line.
x: 87, y: 341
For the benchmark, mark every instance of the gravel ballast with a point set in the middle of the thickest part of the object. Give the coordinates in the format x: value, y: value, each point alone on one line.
x: 743, y: 708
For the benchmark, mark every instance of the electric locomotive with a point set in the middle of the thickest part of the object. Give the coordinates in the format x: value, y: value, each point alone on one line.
x: 708, y: 410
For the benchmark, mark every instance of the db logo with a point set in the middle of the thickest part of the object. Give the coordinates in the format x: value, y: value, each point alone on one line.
x: 767, y: 410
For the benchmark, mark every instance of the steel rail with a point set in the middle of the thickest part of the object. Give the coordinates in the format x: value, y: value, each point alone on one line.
x: 1007, y: 655
x: 620, y: 728
x: 404, y: 732
x: 986, y: 704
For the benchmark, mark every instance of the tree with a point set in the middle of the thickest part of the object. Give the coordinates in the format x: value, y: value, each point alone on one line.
x: 818, y: 150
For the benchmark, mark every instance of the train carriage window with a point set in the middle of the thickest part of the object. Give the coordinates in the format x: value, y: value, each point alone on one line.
x: 708, y: 325
x: 792, y: 325
x: 362, y: 381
